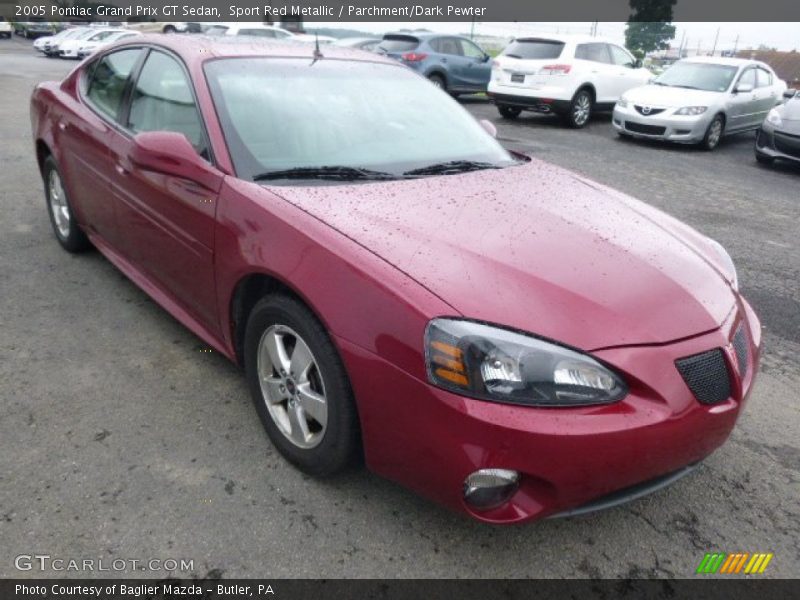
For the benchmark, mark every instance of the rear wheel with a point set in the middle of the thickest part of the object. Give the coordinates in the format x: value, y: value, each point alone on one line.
x: 299, y: 386
x: 580, y: 109
x: 438, y: 81
x: 66, y: 228
x: 169, y: 29
x: 509, y: 112
x: 714, y: 133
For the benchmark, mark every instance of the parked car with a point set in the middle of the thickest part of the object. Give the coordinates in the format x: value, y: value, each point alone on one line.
x: 699, y: 100
x: 451, y: 62
x: 70, y: 48
x: 485, y: 327
x: 362, y: 43
x: 779, y: 136
x: 33, y: 29
x: 51, y: 44
x: 568, y: 75
x: 42, y: 44
x: 5, y: 28
x: 185, y: 27
x: 266, y: 31
x: 94, y: 43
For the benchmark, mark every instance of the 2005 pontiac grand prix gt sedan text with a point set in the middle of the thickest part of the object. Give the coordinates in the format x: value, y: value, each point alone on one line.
x: 503, y: 336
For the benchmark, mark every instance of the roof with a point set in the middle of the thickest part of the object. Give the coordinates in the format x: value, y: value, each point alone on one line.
x: 785, y: 64
x: 200, y: 48
x: 720, y: 60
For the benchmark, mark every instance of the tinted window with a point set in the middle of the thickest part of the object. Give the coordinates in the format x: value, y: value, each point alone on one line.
x: 108, y: 79
x: 593, y: 52
x: 471, y: 50
x: 748, y: 78
x: 163, y: 101
x: 534, y: 48
x: 260, y: 32
x: 763, y: 77
x: 620, y: 57
x: 398, y: 43
x: 450, y: 46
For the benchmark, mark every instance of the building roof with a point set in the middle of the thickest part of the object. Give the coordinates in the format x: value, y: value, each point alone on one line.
x: 785, y: 64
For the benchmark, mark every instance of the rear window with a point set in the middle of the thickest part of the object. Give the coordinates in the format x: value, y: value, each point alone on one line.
x: 534, y: 48
x: 398, y: 43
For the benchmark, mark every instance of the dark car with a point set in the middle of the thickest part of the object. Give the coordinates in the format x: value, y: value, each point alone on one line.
x: 499, y: 334
x: 779, y: 136
x: 33, y: 29
x: 454, y: 63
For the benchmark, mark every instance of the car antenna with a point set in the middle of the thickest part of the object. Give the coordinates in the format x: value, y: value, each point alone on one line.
x: 317, y: 51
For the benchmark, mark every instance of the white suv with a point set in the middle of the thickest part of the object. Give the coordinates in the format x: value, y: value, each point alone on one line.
x: 568, y: 75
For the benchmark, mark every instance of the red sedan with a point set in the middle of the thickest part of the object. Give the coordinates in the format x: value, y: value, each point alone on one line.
x: 499, y: 334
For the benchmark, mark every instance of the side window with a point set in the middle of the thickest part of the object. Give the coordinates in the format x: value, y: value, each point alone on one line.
x: 108, y: 78
x: 593, y: 52
x: 449, y: 46
x: 470, y: 50
x: 163, y: 101
x: 748, y: 78
x: 620, y: 57
x: 763, y: 77
x: 436, y: 45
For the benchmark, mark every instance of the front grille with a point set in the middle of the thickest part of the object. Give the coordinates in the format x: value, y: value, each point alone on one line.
x: 740, y: 348
x: 707, y: 375
x: 646, y: 129
x: 650, y: 110
x: 788, y: 144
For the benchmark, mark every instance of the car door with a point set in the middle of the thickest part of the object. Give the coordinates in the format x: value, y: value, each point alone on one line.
x: 626, y: 75
x: 478, y: 67
x: 85, y: 135
x: 452, y: 58
x: 766, y: 95
x: 595, y: 66
x: 168, y: 221
x: 743, y: 104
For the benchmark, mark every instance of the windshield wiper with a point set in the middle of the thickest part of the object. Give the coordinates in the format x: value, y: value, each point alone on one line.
x: 340, y: 173
x: 453, y: 166
x: 660, y: 83
x: 512, y: 55
x: 686, y: 87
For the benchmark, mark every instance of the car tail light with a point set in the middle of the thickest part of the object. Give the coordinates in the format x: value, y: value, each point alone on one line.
x: 556, y: 69
x: 414, y: 56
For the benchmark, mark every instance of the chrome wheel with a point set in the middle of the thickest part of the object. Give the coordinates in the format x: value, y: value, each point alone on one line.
x: 58, y: 204
x: 292, y: 386
x: 714, y: 133
x: 581, y: 109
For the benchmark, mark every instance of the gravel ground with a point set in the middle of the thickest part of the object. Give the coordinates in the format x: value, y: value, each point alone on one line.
x: 121, y: 439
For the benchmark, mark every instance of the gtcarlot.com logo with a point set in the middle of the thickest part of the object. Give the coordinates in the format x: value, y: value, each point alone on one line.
x: 45, y: 562
x: 736, y: 563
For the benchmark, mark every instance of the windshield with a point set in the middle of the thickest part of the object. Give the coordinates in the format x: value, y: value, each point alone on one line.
x: 534, y: 49
x: 279, y: 114
x: 698, y: 76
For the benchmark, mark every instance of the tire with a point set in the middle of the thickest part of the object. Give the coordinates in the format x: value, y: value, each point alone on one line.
x: 509, y: 112
x: 330, y: 440
x: 169, y: 29
x: 714, y: 133
x: 438, y: 81
x: 62, y: 218
x: 580, y: 109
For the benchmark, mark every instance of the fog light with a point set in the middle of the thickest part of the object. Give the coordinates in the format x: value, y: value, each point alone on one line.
x: 489, y: 488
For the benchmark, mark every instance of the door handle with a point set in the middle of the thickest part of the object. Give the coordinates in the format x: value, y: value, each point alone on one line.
x: 62, y: 126
x: 120, y: 168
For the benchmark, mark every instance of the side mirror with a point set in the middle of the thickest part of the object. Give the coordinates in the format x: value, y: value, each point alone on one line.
x: 789, y: 94
x: 486, y: 58
x: 743, y: 88
x: 171, y: 153
x: 489, y: 127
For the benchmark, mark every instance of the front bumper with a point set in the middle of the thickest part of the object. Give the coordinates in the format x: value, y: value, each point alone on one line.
x: 430, y: 440
x: 663, y: 126
x: 68, y: 53
x: 777, y: 143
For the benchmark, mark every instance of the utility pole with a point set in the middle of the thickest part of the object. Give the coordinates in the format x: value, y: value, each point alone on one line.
x: 716, y: 39
x: 594, y: 29
x: 736, y: 45
x: 472, y: 29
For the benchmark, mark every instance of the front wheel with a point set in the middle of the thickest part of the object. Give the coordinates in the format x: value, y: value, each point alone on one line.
x: 509, y: 112
x: 65, y: 226
x: 580, y: 109
x: 713, y: 134
x: 299, y: 386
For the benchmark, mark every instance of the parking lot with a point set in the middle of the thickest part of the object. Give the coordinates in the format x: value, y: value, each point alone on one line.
x: 120, y: 438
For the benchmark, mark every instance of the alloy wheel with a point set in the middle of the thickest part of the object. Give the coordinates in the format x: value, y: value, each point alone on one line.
x: 581, y: 109
x: 714, y: 133
x: 292, y: 386
x: 58, y: 204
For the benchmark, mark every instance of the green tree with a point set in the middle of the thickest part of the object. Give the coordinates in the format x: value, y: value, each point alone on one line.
x: 649, y: 26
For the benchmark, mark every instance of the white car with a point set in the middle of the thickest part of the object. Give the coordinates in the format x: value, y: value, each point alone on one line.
x: 266, y: 31
x: 700, y: 100
x: 93, y: 45
x: 568, y: 75
x: 5, y: 28
x: 70, y: 48
x: 42, y: 44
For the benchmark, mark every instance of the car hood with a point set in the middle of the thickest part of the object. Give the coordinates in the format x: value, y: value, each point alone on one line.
x: 671, y: 97
x: 537, y: 248
x: 791, y: 110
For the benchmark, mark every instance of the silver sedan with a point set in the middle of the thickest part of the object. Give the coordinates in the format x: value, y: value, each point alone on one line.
x: 700, y: 100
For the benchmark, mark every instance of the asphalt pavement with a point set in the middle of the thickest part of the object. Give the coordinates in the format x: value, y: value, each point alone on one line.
x: 121, y: 439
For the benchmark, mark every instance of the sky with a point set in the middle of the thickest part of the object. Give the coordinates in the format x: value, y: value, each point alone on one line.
x: 783, y: 36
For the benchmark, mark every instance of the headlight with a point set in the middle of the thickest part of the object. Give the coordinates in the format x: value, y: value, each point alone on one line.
x: 490, y: 363
x: 691, y: 110
x: 774, y: 117
x: 727, y: 261
x: 622, y: 103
